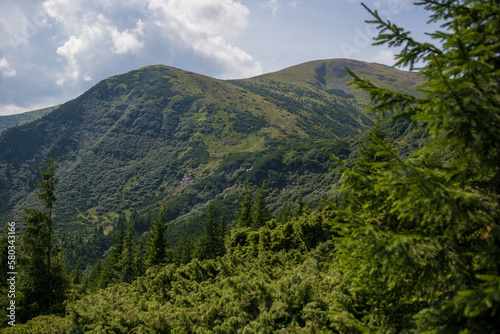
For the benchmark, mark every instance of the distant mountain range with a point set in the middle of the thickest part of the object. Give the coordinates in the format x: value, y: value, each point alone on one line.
x: 160, y: 134
x: 26, y: 117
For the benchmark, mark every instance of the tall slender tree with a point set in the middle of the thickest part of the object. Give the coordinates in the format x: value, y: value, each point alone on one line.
x: 43, y: 280
x: 157, y: 242
x: 211, y: 242
x: 244, y: 215
x: 127, y: 256
x: 260, y: 211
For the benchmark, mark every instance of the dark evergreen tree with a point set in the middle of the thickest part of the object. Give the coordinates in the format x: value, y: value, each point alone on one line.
x: 301, y: 207
x: 285, y: 213
x: 157, y: 242
x: 43, y: 281
x: 211, y: 242
x: 371, y: 157
x: 109, y: 272
x: 260, y: 211
x: 422, y: 253
x: 221, y: 240
x: 126, y: 261
x: 93, y: 281
x: 244, y: 215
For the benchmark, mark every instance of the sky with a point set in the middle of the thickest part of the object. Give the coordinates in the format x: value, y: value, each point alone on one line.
x: 52, y: 51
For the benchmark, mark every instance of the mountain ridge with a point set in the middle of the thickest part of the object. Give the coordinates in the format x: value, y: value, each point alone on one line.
x: 9, y: 121
x: 129, y: 142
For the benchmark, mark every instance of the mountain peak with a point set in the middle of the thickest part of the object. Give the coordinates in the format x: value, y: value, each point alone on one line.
x: 128, y: 141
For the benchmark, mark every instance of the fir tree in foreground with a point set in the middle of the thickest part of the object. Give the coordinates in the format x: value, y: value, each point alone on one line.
x: 417, y: 251
x: 423, y: 251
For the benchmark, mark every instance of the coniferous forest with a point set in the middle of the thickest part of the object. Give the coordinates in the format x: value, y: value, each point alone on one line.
x: 409, y: 242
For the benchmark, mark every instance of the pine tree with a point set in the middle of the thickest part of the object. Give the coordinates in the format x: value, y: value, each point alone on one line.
x: 260, y: 211
x: 43, y: 279
x: 422, y: 254
x: 301, y: 207
x: 93, y: 280
x: 127, y: 256
x: 211, y: 242
x: 284, y: 214
x: 370, y: 155
x: 157, y: 243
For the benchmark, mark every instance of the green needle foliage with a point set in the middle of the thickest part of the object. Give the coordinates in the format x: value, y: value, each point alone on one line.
x: 157, y: 243
x: 211, y: 242
x: 126, y: 260
x: 422, y: 252
x: 412, y: 246
x: 42, y: 281
x: 260, y: 210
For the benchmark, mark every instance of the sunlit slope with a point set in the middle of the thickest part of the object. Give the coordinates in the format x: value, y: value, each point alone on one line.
x: 161, y: 134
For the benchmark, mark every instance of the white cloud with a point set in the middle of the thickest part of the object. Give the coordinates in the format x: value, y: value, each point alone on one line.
x: 385, y: 57
x: 95, y: 33
x: 20, y: 21
x: 127, y: 40
x: 91, y: 38
x: 200, y: 28
x: 6, y: 68
x: 10, y: 109
x: 224, y: 17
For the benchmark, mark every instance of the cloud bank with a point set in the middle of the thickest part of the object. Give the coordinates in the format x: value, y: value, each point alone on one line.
x: 68, y: 45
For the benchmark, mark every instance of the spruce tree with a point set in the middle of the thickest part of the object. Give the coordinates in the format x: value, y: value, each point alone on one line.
x: 127, y: 255
x: 157, y: 243
x: 43, y: 280
x: 260, y: 211
x: 211, y: 242
x: 423, y: 253
x: 244, y: 215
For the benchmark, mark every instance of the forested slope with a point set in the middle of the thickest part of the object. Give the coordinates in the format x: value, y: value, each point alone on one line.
x: 411, y: 244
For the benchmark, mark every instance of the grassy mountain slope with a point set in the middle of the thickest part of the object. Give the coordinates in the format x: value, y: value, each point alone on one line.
x: 160, y: 133
x: 26, y: 117
x: 311, y: 89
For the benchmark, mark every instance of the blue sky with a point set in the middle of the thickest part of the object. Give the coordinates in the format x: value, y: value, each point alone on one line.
x: 54, y: 50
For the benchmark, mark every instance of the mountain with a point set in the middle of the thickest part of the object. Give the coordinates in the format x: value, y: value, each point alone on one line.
x: 26, y: 117
x: 161, y: 134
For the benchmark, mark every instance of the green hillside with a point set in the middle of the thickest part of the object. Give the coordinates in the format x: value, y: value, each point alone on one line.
x: 26, y: 117
x: 409, y: 244
x: 159, y: 133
